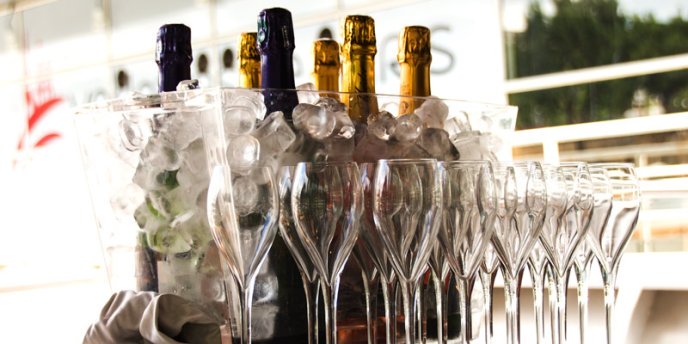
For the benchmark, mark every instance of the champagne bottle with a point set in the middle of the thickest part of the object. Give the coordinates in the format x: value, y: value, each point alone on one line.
x: 414, y: 61
x: 173, y: 56
x: 326, y: 66
x: 276, y: 47
x: 358, y: 66
x: 279, y: 306
x: 249, y: 61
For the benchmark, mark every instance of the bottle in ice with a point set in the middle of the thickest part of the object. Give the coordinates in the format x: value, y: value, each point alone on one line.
x: 414, y: 63
x: 276, y: 47
x: 358, y: 66
x: 249, y: 61
x: 173, y: 56
x: 423, y: 116
x: 279, y: 306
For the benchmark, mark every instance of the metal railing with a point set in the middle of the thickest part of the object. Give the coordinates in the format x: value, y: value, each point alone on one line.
x: 664, y: 185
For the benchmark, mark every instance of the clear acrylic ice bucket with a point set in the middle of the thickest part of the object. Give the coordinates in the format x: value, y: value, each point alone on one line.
x: 147, y: 161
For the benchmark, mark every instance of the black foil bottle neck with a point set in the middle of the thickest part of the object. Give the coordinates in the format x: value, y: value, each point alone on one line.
x: 173, y: 56
x: 276, y: 45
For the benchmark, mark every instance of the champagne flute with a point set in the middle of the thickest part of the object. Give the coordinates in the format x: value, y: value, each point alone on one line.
x: 603, y: 202
x: 537, y: 265
x: 287, y: 229
x: 243, y: 230
x: 488, y: 272
x: 439, y: 272
x: 468, y: 216
x: 570, y: 190
x: 407, y: 198
x: 372, y: 242
x: 610, y: 240
x: 538, y: 262
x: 326, y: 203
x: 369, y: 277
x: 521, y: 206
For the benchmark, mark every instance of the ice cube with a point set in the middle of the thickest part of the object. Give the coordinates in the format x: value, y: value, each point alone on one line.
x: 186, y: 85
x: 314, y: 121
x: 253, y: 101
x: 331, y: 104
x: 194, y: 157
x: 307, y: 93
x: 437, y: 144
x: 468, y: 145
x: 344, y: 127
x: 180, y: 129
x: 407, y: 128
x: 243, y: 153
x: 270, y: 162
x: 338, y: 149
x: 381, y: 125
x: 160, y: 156
x: 238, y: 120
x: 361, y: 132
x: 131, y: 135
x: 457, y: 124
x: 391, y: 107
x: 433, y: 113
x: 275, y: 134
x: 371, y: 149
x: 245, y: 193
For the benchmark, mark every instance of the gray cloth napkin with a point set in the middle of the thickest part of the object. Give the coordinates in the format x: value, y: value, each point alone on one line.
x: 146, y: 317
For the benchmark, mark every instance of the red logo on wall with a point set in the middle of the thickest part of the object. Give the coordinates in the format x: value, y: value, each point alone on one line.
x: 39, y: 104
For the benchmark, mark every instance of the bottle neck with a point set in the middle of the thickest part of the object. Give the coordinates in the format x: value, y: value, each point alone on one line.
x: 171, y: 73
x: 358, y: 76
x: 249, y: 73
x: 415, y: 82
x: 326, y: 80
x: 277, y: 73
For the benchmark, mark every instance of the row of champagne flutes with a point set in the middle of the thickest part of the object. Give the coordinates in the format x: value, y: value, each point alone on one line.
x: 467, y: 217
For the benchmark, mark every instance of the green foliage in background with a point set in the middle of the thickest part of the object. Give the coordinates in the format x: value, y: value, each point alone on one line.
x: 587, y: 33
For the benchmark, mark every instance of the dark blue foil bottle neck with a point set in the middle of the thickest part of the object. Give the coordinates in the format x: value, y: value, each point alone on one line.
x: 173, y: 56
x: 276, y: 46
x: 277, y: 76
x: 171, y: 73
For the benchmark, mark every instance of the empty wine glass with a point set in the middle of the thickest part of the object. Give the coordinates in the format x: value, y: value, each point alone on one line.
x: 521, y: 206
x: 326, y: 203
x: 287, y: 229
x: 243, y: 227
x: 488, y: 272
x: 369, y: 277
x: 439, y: 272
x: 569, y: 189
x: 468, y: 216
x: 407, y: 196
x: 610, y: 240
x: 372, y: 242
x: 537, y: 266
x: 538, y: 262
x: 602, y: 197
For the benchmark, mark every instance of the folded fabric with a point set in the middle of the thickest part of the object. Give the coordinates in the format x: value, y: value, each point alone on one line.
x: 146, y: 317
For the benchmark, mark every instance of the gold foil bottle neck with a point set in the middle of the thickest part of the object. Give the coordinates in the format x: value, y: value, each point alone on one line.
x: 326, y: 66
x: 359, y: 35
x: 414, y: 58
x: 414, y: 45
x: 249, y: 61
